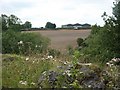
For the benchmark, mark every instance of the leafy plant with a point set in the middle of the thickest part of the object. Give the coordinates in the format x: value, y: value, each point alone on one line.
x: 23, y: 43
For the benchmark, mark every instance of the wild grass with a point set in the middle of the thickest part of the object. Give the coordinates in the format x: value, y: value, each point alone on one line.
x: 24, y: 72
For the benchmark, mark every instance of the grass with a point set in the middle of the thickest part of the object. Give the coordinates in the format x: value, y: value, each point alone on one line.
x: 24, y: 72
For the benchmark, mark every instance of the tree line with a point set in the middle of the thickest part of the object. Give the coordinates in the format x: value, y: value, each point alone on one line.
x: 14, y: 23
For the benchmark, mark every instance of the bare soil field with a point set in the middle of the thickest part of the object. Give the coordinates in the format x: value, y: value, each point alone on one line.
x: 61, y: 39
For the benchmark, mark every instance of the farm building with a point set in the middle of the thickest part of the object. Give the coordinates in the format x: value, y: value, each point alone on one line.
x: 76, y: 26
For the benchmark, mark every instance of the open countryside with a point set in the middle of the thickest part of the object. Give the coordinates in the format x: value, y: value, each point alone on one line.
x: 61, y: 39
x: 75, y: 55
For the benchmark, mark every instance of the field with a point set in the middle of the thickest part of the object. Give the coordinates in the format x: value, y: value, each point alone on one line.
x: 61, y: 39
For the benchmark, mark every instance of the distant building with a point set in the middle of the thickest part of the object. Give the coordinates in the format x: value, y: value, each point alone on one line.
x: 76, y: 26
x: 86, y: 26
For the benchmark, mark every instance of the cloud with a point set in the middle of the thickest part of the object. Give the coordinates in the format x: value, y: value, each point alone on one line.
x: 57, y: 11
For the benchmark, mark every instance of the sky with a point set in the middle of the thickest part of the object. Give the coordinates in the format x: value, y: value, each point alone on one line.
x: 60, y: 12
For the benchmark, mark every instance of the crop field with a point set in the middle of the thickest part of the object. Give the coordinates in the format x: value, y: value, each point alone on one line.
x: 61, y: 39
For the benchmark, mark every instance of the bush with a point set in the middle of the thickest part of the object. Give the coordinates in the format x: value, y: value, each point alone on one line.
x: 79, y: 41
x: 53, y: 52
x: 23, y: 43
x: 70, y: 50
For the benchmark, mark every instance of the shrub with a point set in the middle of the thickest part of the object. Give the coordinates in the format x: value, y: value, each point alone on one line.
x: 70, y: 50
x: 23, y: 43
x: 79, y: 41
x: 53, y: 52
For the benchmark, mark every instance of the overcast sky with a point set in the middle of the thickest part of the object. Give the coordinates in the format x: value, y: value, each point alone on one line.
x: 59, y: 12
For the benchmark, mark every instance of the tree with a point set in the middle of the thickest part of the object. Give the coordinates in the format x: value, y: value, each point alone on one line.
x: 11, y: 22
x: 104, y: 42
x: 79, y: 41
x: 4, y: 22
x: 50, y: 25
x: 116, y: 13
x: 112, y: 23
x: 27, y: 25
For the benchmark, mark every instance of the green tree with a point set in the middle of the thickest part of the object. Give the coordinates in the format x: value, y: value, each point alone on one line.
x: 79, y: 41
x: 116, y: 12
x: 11, y: 22
x: 4, y: 22
x: 50, y: 25
x: 112, y: 32
x: 27, y: 25
x: 104, y: 42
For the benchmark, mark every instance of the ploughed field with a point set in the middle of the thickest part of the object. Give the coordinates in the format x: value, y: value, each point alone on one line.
x: 61, y: 39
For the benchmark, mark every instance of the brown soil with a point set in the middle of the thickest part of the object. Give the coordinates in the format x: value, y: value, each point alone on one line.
x: 61, y: 39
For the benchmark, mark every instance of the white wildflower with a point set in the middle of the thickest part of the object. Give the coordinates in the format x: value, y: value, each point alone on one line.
x: 49, y: 57
x: 63, y: 73
x: 114, y: 59
x: 36, y: 46
x: 27, y: 59
x: 32, y: 83
x: 89, y: 86
x: 108, y: 63
x: 68, y: 72
x: 21, y: 42
x: 88, y: 64
x: 65, y: 63
x: 33, y: 61
x: 80, y: 72
x: 44, y: 72
x: 23, y: 82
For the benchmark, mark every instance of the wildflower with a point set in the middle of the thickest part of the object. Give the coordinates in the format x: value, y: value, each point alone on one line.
x: 89, y: 86
x: 21, y: 42
x: 114, y: 59
x: 88, y: 64
x: 23, y: 82
x: 63, y: 73
x: 68, y: 72
x: 44, y: 72
x: 32, y: 83
x: 65, y: 63
x: 108, y: 63
x: 49, y: 57
x: 36, y: 46
x: 27, y: 59
x: 80, y: 72
x: 33, y: 61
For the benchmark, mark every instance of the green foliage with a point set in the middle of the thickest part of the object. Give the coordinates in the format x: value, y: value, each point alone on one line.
x: 76, y: 56
x: 70, y: 50
x: 53, y: 52
x: 12, y: 22
x: 79, y: 41
x: 50, y: 25
x: 23, y: 43
x: 4, y: 22
x: 103, y: 43
x: 15, y: 27
x: 20, y: 72
x: 27, y: 25
x: 20, y: 43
